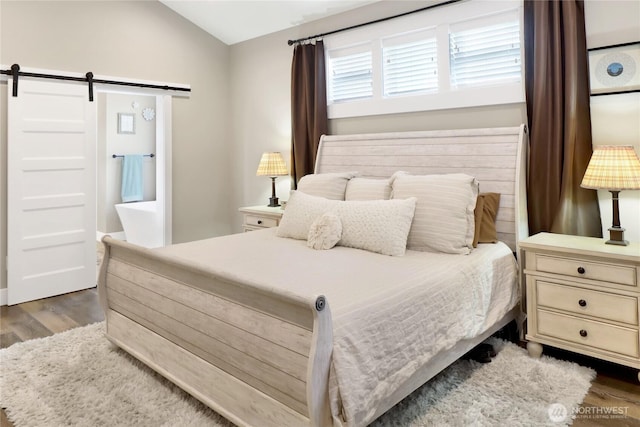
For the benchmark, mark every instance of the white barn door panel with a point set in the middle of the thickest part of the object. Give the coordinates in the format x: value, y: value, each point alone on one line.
x: 51, y: 190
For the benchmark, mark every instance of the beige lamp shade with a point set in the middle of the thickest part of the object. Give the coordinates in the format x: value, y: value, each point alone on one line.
x: 272, y: 164
x: 613, y: 168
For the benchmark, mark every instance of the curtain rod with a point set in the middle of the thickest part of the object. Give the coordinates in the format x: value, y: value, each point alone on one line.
x: 317, y: 36
x: 15, y: 72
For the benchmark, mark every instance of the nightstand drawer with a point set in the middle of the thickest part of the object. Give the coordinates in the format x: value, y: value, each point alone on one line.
x: 588, y: 332
x: 607, y: 306
x: 258, y: 221
x: 586, y: 269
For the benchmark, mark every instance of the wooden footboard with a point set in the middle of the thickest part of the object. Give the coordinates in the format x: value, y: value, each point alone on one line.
x: 256, y: 357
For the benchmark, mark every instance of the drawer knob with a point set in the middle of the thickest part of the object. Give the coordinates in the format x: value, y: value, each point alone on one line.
x: 583, y: 333
x: 582, y: 303
x: 581, y: 270
x: 259, y: 222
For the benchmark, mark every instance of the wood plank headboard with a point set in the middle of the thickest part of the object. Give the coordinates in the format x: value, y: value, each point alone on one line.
x: 495, y: 156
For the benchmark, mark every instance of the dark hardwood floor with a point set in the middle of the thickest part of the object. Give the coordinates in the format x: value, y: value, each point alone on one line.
x: 615, y: 389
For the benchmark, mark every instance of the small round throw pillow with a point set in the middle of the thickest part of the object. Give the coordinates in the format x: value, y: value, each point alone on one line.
x: 325, y: 232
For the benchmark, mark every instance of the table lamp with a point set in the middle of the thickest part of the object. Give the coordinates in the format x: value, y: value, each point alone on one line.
x: 272, y: 165
x: 613, y: 168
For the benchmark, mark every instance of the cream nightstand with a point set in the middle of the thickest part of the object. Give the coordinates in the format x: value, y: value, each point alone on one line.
x: 259, y: 217
x: 582, y: 295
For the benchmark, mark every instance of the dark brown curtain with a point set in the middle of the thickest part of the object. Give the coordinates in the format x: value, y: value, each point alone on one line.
x: 308, y: 107
x: 557, y: 89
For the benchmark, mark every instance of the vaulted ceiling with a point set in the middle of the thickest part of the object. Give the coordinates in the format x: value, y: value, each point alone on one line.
x: 236, y: 21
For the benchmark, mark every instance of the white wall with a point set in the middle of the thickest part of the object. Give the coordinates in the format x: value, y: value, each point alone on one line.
x: 615, y: 119
x: 260, y: 118
x: 260, y: 88
x: 139, y: 40
x: 261, y: 104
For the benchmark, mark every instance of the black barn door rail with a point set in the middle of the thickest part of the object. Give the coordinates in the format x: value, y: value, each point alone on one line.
x: 15, y: 72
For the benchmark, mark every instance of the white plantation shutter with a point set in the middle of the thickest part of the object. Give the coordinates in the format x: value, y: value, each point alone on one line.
x: 410, y: 64
x: 485, y: 54
x: 350, y: 74
x: 467, y: 54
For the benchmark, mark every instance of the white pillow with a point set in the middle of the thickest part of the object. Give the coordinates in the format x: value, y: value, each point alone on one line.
x: 380, y: 226
x: 327, y: 185
x: 393, y: 178
x: 325, y: 232
x: 368, y: 189
x: 444, y: 219
x: 375, y: 225
x: 302, y: 209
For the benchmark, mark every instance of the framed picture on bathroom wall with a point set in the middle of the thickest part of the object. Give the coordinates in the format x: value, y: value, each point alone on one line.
x: 614, y: 69
x: 126, y: 123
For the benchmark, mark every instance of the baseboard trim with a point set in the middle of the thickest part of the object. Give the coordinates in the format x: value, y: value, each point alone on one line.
x: 3, y: 296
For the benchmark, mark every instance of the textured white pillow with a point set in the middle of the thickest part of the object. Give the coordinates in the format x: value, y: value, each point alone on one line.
x: 375, y: 225
x: 302, y: 209
x: 327, y: 185
x: 325, y: 232
x: 380, y: 226
x: 368, y: 189
x: 444, y: 219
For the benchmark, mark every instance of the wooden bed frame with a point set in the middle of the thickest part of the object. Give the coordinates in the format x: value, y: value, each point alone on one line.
x: 262, y: 358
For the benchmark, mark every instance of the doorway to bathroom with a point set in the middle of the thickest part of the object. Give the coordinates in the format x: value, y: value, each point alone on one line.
x: 134, y: 125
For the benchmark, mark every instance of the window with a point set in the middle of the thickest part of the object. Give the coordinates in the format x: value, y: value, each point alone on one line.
x: 351, y: 75
x: 410, y: 65
x: 460, y: 55
x: 486, y: 54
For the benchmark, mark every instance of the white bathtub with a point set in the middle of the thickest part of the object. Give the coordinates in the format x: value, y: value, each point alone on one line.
x: 142, y: 223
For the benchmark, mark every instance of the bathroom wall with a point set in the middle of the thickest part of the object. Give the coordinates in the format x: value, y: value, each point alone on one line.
x: 110, y: 142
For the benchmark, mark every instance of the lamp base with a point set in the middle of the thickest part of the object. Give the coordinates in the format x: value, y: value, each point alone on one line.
x: 273, y: 202
x: 616, y: 237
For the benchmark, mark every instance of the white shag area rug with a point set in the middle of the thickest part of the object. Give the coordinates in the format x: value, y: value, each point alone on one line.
x: 78, y: 378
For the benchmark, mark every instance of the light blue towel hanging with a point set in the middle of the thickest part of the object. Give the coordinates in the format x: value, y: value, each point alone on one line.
x: 132, y: 178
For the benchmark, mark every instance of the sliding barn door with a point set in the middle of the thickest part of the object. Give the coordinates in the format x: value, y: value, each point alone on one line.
x: 51, y: 190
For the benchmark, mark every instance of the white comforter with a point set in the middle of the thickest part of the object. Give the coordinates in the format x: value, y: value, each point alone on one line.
x: 390, y: 314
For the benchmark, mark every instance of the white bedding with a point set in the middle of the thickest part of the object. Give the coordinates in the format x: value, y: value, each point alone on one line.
x: 390, y: 314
